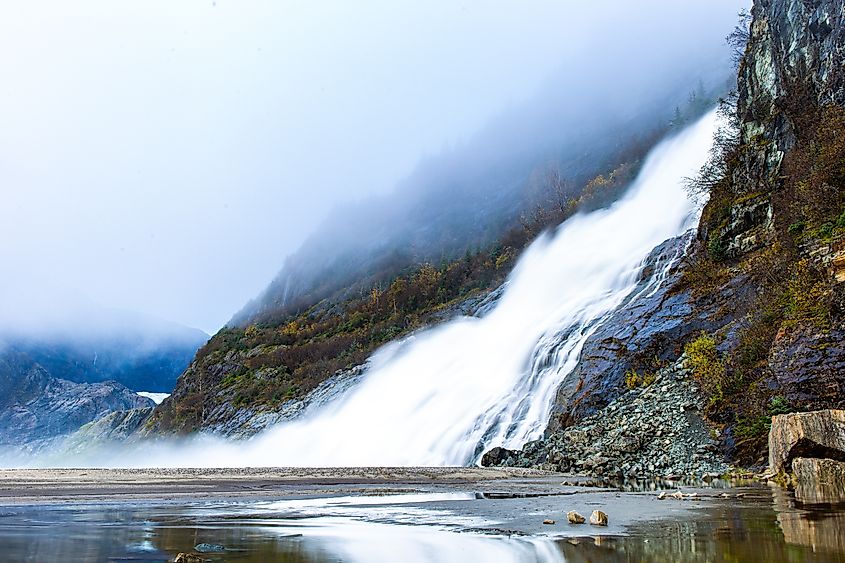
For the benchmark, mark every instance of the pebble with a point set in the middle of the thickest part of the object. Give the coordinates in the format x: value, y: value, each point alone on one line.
x: 598, y: 518
x: 575, y: 518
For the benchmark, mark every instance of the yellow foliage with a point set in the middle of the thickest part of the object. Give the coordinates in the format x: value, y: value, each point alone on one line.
x: 707, y: 367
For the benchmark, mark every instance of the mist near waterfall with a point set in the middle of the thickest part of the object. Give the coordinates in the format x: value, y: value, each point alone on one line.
x: 166, y: 157
x: 445, y: 395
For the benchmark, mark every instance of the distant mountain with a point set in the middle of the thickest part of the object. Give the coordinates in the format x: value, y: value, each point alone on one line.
x: 36, y: 407
x: 98, y: 344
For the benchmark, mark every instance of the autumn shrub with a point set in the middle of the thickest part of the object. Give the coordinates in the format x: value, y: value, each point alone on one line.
x: 808, y: 296
x: 707, y: 366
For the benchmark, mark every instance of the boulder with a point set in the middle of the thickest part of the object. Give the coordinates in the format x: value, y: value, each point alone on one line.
x: 818, y: 434
x: 497, y: 456
x: 819, y: 480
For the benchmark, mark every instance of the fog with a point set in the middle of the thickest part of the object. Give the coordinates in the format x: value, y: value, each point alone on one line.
x: 166, y: 157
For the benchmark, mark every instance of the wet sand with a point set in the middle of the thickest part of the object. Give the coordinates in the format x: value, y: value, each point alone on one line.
x: 52, y: 485
x: 517, y: 500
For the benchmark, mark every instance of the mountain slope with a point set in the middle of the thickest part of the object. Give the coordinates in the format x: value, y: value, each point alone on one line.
x: 273, y: 360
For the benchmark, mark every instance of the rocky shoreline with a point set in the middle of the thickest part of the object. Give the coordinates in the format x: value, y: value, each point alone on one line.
x: 653, y: 430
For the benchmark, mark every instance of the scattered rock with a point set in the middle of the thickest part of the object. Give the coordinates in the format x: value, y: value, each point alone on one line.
x: 548, y: 521
x: 188, y: 558
x: 575, y: 518
x: 598, y: 518
x: 662, y: 495
x: 619, y: 441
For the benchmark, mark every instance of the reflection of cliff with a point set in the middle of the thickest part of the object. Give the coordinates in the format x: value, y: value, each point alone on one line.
x: 820, y: 529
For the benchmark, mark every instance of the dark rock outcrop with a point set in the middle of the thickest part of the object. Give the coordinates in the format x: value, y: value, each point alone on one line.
x: 647, y: 331
x: 498, y: 456
x: 809, y: 367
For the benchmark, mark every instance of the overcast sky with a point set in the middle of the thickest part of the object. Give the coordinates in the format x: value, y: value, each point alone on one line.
x: 165, y: 156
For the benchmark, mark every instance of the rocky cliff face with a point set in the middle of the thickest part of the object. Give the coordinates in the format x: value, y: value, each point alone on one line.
x: 36, y: 408
x: 762, y: 283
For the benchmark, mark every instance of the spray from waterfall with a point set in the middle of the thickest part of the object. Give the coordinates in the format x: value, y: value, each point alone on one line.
x: 445, y: 395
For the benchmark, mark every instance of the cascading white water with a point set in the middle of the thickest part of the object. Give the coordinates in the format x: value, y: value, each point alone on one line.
x: 444, y: 395
x: 433, y: 398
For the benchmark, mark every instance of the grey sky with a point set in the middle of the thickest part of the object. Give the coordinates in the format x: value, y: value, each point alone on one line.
x: 165, y: 156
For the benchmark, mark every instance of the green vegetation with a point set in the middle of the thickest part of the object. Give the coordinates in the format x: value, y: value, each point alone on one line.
x: 754, y: 430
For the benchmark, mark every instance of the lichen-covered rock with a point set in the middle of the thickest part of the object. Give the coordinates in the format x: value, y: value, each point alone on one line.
x: 818, y: 480
x: 818, y: 434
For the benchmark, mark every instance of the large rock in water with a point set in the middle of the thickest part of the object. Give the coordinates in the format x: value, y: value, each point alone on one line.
x: 818, y: 434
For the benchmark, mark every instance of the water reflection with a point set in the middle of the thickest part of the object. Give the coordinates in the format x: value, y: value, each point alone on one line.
x: 308, y: 530
x: 818, y: 526
x: 764, y: 525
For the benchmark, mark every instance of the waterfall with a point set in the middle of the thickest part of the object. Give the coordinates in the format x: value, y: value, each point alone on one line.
x: 444, y: 395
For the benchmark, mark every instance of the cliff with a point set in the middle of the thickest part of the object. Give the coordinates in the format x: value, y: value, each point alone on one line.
x: 756, y: 309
